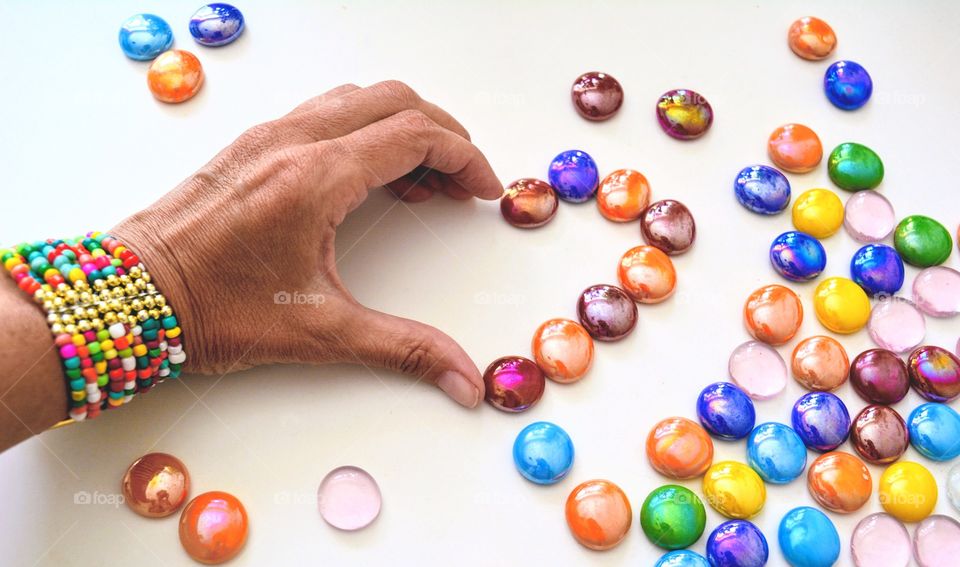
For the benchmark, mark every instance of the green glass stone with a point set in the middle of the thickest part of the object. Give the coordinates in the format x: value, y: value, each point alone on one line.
x: 922, y: 241
x: 673, y: 517
x: 855, y: 167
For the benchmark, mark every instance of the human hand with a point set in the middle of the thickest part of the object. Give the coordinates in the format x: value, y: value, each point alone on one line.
x: 260, y: 219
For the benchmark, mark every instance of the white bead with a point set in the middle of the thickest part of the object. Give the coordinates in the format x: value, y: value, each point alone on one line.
x: 130, y: 385
x: 92, y: 389
x: 128, y: 363
x: 175, y: 349
x: 137, y: 330
x: 177, y: 358
x: 164, y: 372
x: 117, y: 330
x: 163, y: 345
x: 93, y: 398
x: 126, y: 399
x: 78, y: 414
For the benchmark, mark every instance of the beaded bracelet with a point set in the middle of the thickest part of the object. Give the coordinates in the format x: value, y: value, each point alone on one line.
x: 114, y: 330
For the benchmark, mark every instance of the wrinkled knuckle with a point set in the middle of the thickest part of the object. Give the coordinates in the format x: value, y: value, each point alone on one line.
x: 290, y: 158
x: 400, y: 92
x: 414, y: 357
x: 261, y: 134
x: 414, y: 120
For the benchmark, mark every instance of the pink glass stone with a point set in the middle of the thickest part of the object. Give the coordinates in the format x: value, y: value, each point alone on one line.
x: 936, y: 542
x: 880, y: 539
x: 349, y: 498
x: 937, y: 291
x: 896, y: 324
x: 868, y: 216
x: 758, y: 369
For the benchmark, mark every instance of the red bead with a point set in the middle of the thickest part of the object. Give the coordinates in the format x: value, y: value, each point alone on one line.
x: 55, y: 280
x: 116, y: 386
x: 121, y: 343
x: 63, y: 339
x: 115, y: 374
x: 20, y: 271
x: 89, y: 374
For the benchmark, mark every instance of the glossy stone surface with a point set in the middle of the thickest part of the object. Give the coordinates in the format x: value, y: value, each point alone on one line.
x: 156, y: 485
x: 672, y: 517
x: 855, y: 167
x: 175, y: 76
x: 936, y: 543
x: 669, y: 226
x: 908, y: 491
x: 598, y: 514
x: 737, y: 543
x: 213, y: 527
x: 726, y: 411
x: 563, y: 350
x: 679, y: 448
x: 623, y: 195
x: 734, y: 489
x: 935, y: 431
x: 821, y: 420
x: 758, y: 369
x: 776, y: 452
x: 880, y: 539
x: 820, y: 363
x: 607, y: 312
x: 762, y: 189
x: 934, y: 373
x: 349, y: 498
x: 772, y: 314
x: 847, y: 85
x: 953, y: 486
x: 922, y: 241
x: 869, y: 216
x: 574, y: 176
x: 596, y: 95
x: 818, y: 212
x: 808, y: 538
x: 528, y: 203
x: 896, y: 325
x: 878, y: 269
x: 879, y: 435
x: 936, y: 290
x: 682, y: 558
x: 647, y: 274
x: 216, y: 24
x: 839, y: 482
x: 879, y: 376
x: 144, y: 36
x: 811, y: 38
x: 795, y: 148
x: 543, y: 452
x: 684, y: 114
x: 797, y: 256
x: 513, y: 383
x: 841, y: 305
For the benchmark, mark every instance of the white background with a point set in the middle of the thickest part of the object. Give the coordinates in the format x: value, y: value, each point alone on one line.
x: 83, y: 144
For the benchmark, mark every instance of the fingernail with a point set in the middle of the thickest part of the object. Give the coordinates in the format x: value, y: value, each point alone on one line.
x: 459, y: 388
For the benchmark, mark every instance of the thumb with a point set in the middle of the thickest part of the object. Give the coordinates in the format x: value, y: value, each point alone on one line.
x: 416, y: 349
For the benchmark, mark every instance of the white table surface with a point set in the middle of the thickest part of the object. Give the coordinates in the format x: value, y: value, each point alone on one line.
x: 78, y: 124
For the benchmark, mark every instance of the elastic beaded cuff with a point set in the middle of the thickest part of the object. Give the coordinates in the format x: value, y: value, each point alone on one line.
x: 115, y: 333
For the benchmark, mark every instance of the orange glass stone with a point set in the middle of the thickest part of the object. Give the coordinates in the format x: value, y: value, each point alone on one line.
x: 820, y: 363
x: 563, y: 350
x: 213, y: 527
x: 679, y: 448
x: 811, y: 38
x: 647, y: 274
x: 598, y: 514
x: 795, y: 148
x: 839, y: 482
x: 772, y: 314
x: 156, y: 485
x: 175, y: 76
x: 623, y: 195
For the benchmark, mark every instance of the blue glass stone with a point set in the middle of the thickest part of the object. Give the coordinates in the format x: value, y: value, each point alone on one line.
x: 821, y: 420
x: 682, y: 558
x: 776, y: 452
x: 935, y: 431
x: 762, y: 189
x: 144, y: 36
x: 798, y: 256
x: 808, y: 538
x: 726, y: 411
x: 216, y: 24
x: 847, y: 85
x: 543, y: 452
x: 878, y: 269
x: 737, y: 543
x: 574, y: 176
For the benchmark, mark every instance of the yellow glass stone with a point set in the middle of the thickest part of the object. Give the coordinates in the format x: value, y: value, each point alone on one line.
x: 908, y: 491
x: 841, y: 305
x: 818, y: 212
x: 734, y: 490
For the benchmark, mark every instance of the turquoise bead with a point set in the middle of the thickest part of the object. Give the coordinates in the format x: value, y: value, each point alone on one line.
x: 77, y: 384
x: 115, y: 395
x: 169, y: 322
x: 150, y: 324
x: 72, y: 362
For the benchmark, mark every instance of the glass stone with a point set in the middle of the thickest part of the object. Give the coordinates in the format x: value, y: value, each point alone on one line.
x: 349, y: 498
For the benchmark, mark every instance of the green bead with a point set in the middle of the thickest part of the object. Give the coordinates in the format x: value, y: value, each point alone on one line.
x: 78, y: 403
x: 922, y: 241
x: 93, y: 347
x: 102, y: 381
x: 72, y: 373
x: 125, y: 353
x: 103, y: 335
x: 97, y: 357
x: 673, y: 517
x: 5, y: 255
x: 855, y: 167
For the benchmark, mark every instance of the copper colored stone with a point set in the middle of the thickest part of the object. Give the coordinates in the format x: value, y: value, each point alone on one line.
x: 156, y: 485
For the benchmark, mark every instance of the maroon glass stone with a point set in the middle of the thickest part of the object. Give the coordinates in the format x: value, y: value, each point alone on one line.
x: 596, y: 96
x: 669, y: 226
x: 607, y: 312
x: 513, y: 383
x: 879, y: 434
x: 879, y: 376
